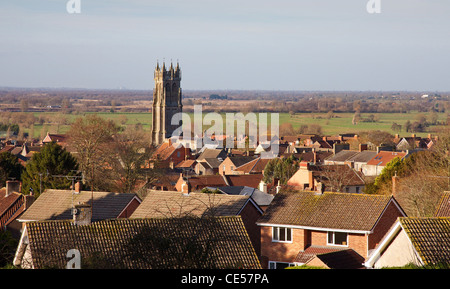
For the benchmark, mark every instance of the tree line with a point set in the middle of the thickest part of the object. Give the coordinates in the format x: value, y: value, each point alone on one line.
x: 105, y: 156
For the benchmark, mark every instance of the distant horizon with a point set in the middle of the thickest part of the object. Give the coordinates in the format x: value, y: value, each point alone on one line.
x: 223, y: 90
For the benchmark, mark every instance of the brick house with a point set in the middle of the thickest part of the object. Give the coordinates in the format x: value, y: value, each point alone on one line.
x: 336, y: 178
x: 313, y: 228
x: 169, y: 155
x: 229, y: 165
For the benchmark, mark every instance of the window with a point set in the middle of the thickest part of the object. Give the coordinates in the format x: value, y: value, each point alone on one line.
x: 279, y: 265
x: 280, y: 234
x: 337, y: 238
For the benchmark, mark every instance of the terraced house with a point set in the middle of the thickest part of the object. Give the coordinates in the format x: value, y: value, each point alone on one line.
x: 331, y: 230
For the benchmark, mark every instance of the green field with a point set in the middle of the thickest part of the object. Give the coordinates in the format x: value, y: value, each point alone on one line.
x: 339, y: 123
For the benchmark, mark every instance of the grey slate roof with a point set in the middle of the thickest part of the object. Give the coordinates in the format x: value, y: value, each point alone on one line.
x: 260, y: 198
x: 363, y: 157
x: 342, y: 156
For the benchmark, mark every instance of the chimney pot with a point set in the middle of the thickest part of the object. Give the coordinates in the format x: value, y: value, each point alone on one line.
x: 77, y: 187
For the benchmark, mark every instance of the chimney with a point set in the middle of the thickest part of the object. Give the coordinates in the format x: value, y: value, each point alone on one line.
x: 362, y: 147
x: 314, y: 155
x: 319, y: 188
x: 304, y: 165
x: 413, y: 135
x: 263, y: 187
x: 394, y: 185
x: 77, y: 188
x: 13, y: 187
x: 82, y: 214
x: 185, y: 187
x: 278, y: 187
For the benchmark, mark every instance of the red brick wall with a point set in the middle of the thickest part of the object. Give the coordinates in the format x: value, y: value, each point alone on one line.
x: 250, y: 215
x: 301, y: 239
x: 278, y: 251
x: 361, y: 243
x: 129, y: 209
x: 384, y: 224
x: 227, y: 163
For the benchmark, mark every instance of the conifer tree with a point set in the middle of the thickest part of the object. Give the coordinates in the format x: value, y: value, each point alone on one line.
x: 49, y: 169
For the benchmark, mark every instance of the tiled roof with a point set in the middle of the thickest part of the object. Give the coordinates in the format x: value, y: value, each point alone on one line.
x: 219, y: 242
x: 345, y: 211
x: 255, y: 166
x: 430, y: 237
x: 363, y: 156
x: 343, y: 259
x: 157, y: 204
x: 241, y: 160
x: 56, y: 205
x: 212, y: 153
x: 320, y: 156
x: 383, y: 157
x: 251, y: 180
x: 165, y: 150
x: 8, y: 205
x: 261, y: 198
x: 334, y: 258
x: 342, y: 156
x: 443, y: 209
x: 212, y: 162
x: 186, y: 164
x: 199, y: 182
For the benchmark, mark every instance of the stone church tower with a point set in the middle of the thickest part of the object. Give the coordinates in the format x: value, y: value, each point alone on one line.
x: 166, y: 102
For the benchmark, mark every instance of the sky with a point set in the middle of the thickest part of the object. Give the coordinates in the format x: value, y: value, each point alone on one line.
x: 283, y: 45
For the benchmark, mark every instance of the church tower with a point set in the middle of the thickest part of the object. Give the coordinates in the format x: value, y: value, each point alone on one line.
x: 166, y: 102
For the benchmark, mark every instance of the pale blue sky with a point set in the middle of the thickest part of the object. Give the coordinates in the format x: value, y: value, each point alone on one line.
x: 246, y: 44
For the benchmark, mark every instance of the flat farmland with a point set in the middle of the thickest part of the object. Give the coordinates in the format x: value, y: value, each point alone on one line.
x: 338, y: 123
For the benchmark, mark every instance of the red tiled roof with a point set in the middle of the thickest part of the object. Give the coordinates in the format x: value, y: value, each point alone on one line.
x: 383, y: 157
x: 8, y: 205
x: 186, y: 164
x: 165, y: 150
x: 251, y: 180
x: 255, y: 166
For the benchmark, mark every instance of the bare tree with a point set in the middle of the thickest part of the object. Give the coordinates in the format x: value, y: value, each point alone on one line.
x: 424, y: 176
x: 336, y: 178
x: 127, y: 156
x: 90, y: 138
